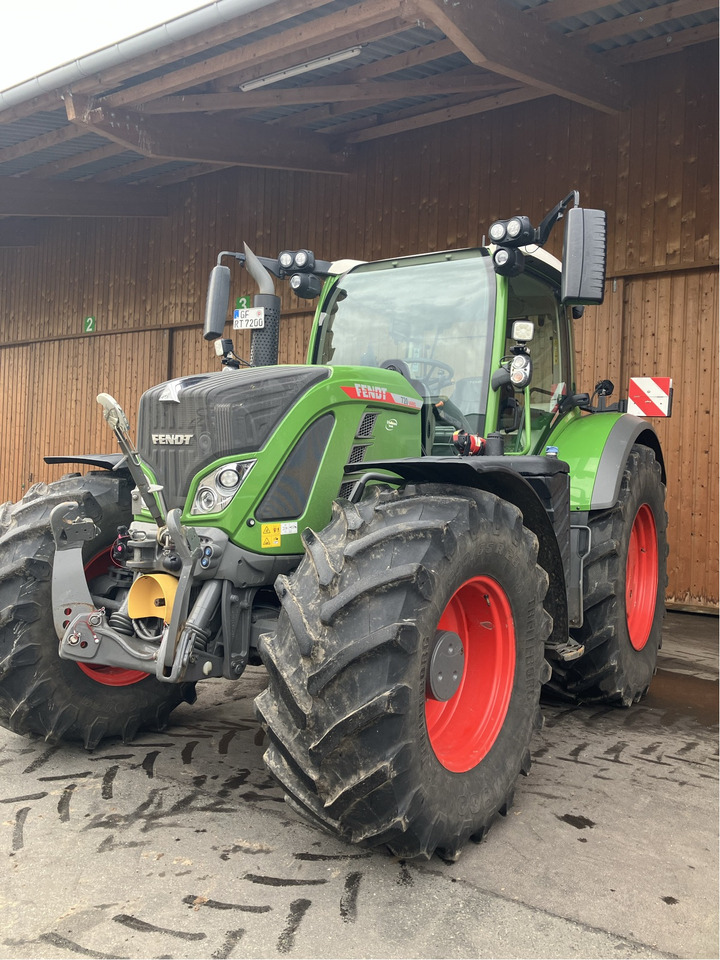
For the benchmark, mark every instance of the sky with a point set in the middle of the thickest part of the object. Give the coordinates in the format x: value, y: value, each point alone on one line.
x: 37, y: 35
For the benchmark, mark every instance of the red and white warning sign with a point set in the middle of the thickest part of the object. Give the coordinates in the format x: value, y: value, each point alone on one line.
x: 650, y: 396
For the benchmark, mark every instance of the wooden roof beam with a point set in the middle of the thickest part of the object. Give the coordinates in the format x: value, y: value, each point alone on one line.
x: 387, y: 126
x: 372, y: 91
x: 53, y: 198
x: 417, y: 112
x: 202, y: 139
x: 45, y: 140
x: 497, y: 36
x: 660, y: 46
x: 376, y: 31
x: 379, y: 68
x: 619, y: 26
x: 241, y: 26
x: 335, y: 26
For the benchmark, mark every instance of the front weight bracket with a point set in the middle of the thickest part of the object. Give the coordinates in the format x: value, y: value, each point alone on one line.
x: 70, y: 593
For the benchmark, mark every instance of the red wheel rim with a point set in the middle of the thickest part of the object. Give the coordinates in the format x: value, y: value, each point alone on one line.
x: 108, y: 676
x: 641, y: 577
x: 463, y: 729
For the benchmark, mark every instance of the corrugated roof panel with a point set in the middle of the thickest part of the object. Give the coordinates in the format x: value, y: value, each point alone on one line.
x: 30, y: 127
x: 61, y: 151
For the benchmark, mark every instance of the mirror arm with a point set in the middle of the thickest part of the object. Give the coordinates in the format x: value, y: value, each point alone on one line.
x: 543, y: 231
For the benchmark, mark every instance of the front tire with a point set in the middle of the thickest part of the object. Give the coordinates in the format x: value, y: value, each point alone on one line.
x: 357, y: 738
x: 39, y: 692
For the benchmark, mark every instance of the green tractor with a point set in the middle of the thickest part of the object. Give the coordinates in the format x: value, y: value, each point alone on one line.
x: 413, y: 532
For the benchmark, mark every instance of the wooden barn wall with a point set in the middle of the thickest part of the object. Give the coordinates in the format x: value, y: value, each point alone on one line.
x: 653, y: 168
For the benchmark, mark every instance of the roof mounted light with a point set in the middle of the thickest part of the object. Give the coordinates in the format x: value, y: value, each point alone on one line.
x: 301, y: 68
x: 508, y: 262
x: 515, y: 232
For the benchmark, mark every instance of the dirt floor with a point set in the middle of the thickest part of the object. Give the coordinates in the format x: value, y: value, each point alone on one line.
x: 180, y: 845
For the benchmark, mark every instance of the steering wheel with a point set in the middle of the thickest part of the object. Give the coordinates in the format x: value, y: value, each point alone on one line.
x: 433, y: 382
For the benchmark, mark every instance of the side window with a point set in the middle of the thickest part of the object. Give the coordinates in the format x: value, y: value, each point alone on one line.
x: 531, y: 299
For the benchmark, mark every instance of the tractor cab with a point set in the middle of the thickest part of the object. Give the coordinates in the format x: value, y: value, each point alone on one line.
x: 449, y: 323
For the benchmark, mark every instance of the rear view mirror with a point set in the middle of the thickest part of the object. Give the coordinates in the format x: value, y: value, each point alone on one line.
x: 218, y: 298
x: 584, y: 253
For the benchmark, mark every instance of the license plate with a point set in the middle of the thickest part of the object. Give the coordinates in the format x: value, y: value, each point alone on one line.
x: 249, y: 318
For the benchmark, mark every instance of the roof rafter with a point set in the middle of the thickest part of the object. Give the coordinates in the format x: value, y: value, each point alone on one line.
x: 376, y: 31
x: 660, y: 46
x: 333, y: 26
x: 50, y: 139
x: 640, y: 21
x: 472, y: 108
x: 205, y: 139
x: 112, y: 76
x: 497, y: 36
x: 377, y: 91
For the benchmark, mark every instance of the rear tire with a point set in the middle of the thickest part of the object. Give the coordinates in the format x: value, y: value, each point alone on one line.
x: 39, y: 692
x: 356, y: 739
x: 624, y: 591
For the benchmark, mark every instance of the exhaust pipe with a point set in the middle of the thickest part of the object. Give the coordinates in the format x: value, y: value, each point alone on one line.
x: 264, y: 342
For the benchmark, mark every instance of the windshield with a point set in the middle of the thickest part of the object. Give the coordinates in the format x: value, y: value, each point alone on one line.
x: 429, y: 317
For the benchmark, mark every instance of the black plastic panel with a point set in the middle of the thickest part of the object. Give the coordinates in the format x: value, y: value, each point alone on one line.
x: 289, y: 492
x: 201, y: 419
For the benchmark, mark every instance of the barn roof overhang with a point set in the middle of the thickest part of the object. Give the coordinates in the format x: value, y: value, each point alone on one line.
x: 103, y: 136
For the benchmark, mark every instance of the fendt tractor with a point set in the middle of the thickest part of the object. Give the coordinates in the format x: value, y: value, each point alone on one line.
x: 413, y: 532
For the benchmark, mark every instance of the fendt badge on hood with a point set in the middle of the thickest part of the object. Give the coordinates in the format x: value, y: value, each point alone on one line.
x: 173, y: 439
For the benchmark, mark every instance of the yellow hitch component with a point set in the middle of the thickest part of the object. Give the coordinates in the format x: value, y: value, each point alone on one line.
x: 152, y: 595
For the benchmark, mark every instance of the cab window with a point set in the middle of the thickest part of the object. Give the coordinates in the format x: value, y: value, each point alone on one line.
x: 531, y: 299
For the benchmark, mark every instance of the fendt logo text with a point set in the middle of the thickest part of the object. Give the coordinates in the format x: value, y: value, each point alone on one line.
x: 176, y: 439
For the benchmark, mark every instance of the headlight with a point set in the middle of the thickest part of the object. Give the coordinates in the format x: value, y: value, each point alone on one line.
x: 497, y: 231
x: 217, y: 489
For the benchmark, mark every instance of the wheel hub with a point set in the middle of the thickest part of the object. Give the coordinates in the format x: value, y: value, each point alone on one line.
x: 447, y: 664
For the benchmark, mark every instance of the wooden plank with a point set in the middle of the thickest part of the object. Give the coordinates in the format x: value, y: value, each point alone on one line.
x: 373, y: 91
x: 207, y: 139
x: 281, y: 60
x: 444, y: 114
x: 660, y: 46
x: 43, y: 142
x: 620, y: 26
x: 241, y: 26
x: 331, y: 27
x: 379, y: 68
x: 495, y: 35
x: 44, y: 198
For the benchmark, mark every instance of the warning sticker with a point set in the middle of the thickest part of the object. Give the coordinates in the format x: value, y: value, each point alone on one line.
x: 270, y: 535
